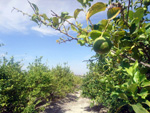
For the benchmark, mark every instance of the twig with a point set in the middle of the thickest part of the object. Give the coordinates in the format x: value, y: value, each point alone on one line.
x: 32, y: 7
x: 105, y: 27
x: 54, y: 14
x: 91, y: 24
x: 128, y: 10
x: 21, y: 12
x: 43, y: 22
x: 122, y: 12
x: 90, y: 60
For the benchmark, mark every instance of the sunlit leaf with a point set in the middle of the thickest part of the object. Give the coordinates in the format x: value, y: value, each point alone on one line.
x: 81, y: 42
x: 44, y: 16
x: 55, y: 21
x: 138, y: 15
x: 113, y: 12
x: 97, y: 7
x: 138, y: 108
x: 143, y: 93
x: 76, y: 12
x: 146, y: 83
x: 95, y: 34
x: 147, y: 102
x: 129, y: 71
x: 73, y: 28
x: 35, y: 18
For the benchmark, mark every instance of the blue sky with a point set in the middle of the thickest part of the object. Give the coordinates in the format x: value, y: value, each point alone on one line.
x: 24, y: 40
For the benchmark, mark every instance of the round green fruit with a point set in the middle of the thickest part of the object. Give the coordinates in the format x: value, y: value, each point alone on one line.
x: 102, y: 45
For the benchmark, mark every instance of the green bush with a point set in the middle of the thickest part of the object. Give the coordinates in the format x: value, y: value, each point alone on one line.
x: 23, y: 91
x: 122, y: 88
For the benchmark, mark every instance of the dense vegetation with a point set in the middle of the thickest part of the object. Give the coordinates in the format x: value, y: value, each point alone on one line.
x: 119, y: 74
x: 23, y: 91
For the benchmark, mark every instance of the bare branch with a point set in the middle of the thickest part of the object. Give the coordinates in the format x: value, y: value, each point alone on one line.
x: 21, y: 12
x: 128, y: 10
x: 91, y: 23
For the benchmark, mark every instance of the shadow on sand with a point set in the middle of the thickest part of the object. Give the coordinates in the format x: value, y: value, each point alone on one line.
x: 96, y: 109
x: 56, y: 106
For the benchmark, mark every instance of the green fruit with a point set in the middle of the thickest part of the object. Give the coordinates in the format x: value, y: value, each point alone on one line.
x: 102, y: 45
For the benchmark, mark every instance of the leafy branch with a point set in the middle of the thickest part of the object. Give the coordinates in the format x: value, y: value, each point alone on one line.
x: 50, y: 25
x: 132, y: 59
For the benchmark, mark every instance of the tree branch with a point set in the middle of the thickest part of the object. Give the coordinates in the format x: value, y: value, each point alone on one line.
x: 54, y: 14
x: 132, y: 59
x: 128, y: 10
x: 43, y: 22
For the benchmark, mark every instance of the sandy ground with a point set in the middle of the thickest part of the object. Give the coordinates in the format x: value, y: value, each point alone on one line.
x: 73, y: 103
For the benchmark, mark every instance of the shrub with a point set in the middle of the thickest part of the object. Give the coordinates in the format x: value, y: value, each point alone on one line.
x: 23, y: 91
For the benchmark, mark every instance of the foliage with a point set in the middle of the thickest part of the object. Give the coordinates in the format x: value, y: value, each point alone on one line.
x: 120, y: 78
x: 23, y: 91
x: 121, y: 88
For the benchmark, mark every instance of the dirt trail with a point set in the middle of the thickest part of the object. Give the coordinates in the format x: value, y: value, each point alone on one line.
x: 73, y: 103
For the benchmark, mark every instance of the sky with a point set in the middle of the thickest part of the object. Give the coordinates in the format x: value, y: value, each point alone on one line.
x: 25, y: 40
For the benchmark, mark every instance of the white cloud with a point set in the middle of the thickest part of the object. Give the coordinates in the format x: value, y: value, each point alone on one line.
x: 45, y: 30
x: 14, y: 21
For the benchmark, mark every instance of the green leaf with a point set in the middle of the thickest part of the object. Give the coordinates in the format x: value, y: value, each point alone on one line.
x: 104, y: 22
x: 35, y: 18
x: 73, y: 28
x: 44, y: 16
x: 114, y: 94
x: 131, y: 14
x: 63, y: 14
x: 123, y: 96
x: 35, y: 8
x: 132, y: 28
x: 143, y: 93
x: 147, y: 102
x: 138, y: 15
x: 136, y: 77
x: 129, y: 71
x: 82, y: 36
x: 95, y: 34
x: 146, y: 83
x: 55, y: 21
x: 76, y: 12
x: 68, y: 17
x: 81, y: 42
x: 113, y: 12
x: 133, y: 88
x: 119, y: 34
x: 147, y: 28
x: 97, y: 7
x: 135, y: 65
x: 138, y: 108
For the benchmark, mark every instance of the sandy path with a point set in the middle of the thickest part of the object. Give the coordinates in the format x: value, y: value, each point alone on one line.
x: 73, y: 103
